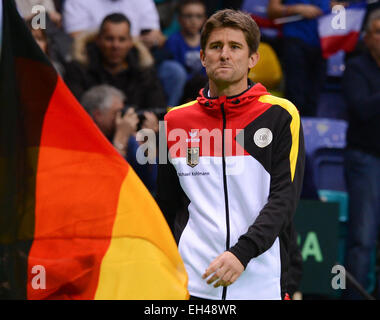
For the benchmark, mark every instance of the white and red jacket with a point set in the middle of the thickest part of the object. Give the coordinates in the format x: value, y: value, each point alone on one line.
x: 235, y: 191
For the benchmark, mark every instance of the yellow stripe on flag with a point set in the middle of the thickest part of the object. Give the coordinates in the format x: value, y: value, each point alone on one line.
x: 142, y: 261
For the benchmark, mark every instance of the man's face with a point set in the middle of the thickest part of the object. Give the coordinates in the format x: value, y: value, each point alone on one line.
x: 372, y: 38
x: 192, y: 18
x: 105, y: 119
x: 114, y: 42
x: 226, y: 56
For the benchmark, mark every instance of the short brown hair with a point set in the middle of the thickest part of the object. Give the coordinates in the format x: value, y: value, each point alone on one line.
x: 229, y: 18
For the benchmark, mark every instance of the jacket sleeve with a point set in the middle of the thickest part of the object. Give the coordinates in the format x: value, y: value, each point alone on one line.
x: 295, y: 257
x: 286, y: 183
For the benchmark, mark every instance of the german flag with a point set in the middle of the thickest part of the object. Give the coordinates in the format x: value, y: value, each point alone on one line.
x: 75, y: 221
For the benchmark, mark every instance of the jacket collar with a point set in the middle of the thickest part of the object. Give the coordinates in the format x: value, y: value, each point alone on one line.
x: 254, y: 91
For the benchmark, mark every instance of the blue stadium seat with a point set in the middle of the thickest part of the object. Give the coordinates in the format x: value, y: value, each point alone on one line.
x: 325, y: 140
x: 328, y: 169
x: 323, y: 133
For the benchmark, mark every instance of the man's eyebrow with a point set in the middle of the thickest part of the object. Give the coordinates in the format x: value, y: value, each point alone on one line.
x: 230, y: 42
x: 215, y: 42
x: 235, y: 42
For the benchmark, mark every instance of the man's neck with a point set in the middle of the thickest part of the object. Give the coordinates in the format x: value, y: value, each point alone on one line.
x: 228, y: 90
x: 115, y: 68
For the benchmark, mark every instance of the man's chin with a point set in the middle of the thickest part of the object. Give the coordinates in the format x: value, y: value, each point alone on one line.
x: 114, y: 62
x: 223, y: 79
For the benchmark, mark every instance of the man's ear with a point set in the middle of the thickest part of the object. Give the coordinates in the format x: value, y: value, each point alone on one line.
x: 97, y: 116
x: 253, y: 59
x: 202, y: 55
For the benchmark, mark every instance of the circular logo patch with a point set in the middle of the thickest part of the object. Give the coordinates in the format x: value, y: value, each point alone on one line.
x: 263, y: 137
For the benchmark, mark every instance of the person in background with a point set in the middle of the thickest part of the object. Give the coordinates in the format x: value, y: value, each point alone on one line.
x: 114, y: 58
x: 184, y: 45
x: 270, y: 32
x: 84, y: 16
x: 361, y: 89
x: 106, y: 104
x: 25, y: 8
x: 43, y: 41
x: 304, y: 66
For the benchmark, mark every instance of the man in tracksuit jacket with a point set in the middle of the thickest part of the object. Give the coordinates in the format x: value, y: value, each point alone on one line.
x: 231, y: 187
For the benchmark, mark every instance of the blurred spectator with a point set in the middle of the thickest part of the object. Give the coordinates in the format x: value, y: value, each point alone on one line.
x: 105, y: 104
x: 185, y: 44
x: 81, y: 16
x: 167, y: 11
x: 270, y: 32
x: 361, y: 88
x: 42, y: 40
x: 59, y: 43
x: 25, y: 8
x: 114, y: 58
x: 84, y: 16
x: 304, y: 67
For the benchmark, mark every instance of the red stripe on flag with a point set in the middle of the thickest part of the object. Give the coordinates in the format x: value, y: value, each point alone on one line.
x: 332, y: 44
x: 77, y: 190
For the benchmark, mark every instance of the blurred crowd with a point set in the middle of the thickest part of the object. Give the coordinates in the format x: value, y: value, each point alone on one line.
x: 127, y: 61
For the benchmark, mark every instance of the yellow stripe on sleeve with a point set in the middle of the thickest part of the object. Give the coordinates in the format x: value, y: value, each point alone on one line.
x: 294, y: 126
x: 183, y: 105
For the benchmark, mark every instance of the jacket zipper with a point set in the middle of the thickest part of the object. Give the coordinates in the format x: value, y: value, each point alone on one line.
x: 224, y: 294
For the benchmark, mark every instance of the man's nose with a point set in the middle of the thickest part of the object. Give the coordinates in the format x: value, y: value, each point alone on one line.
x: 115, y: 44
x: 224, y: 55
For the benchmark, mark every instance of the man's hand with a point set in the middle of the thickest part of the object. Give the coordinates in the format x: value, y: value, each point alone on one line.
x: 153, y: 38
x: 150, y: 121
x: 125, y: 126
x: 226, y: 268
